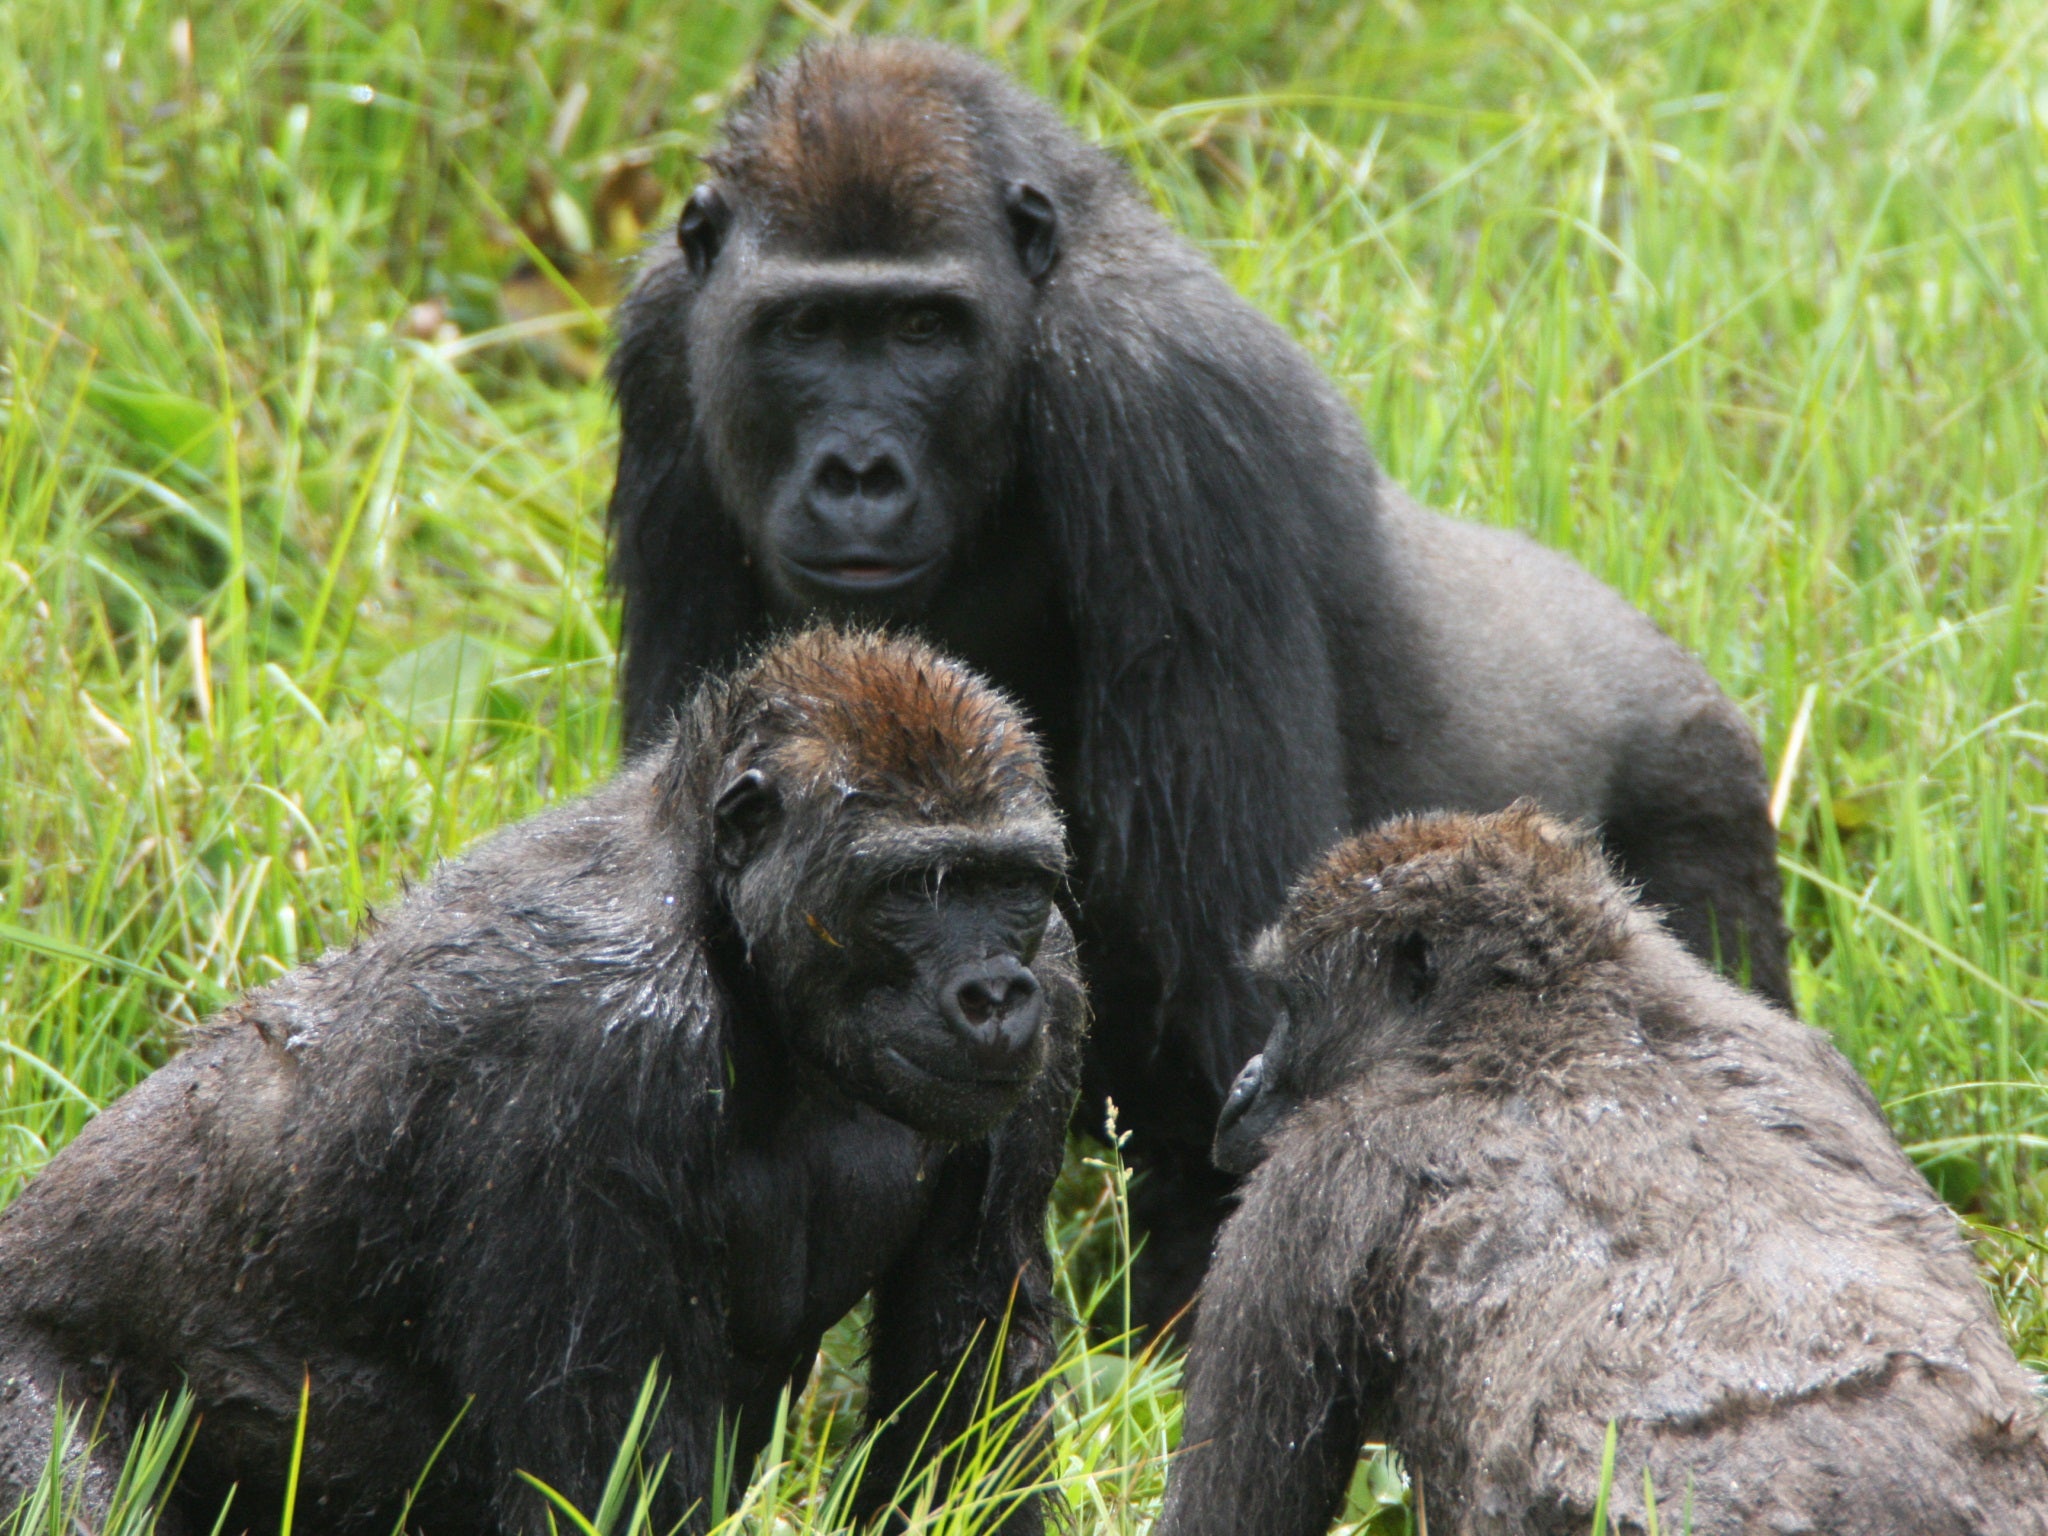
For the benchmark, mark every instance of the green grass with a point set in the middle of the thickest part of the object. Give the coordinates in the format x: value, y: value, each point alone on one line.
x: 1745, y: 305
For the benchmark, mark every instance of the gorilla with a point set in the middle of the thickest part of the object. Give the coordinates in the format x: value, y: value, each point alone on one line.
x: 1526, y: 1168
x: 781, y: 1017
x: 921, y: 357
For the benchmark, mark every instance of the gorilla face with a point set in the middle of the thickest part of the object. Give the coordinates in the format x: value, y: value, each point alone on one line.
x: 859, y: 406
x: 937, y: 1018
x: 1334, y: 1006
x: 898, y: 959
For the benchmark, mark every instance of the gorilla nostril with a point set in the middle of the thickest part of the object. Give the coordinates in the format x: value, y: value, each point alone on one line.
x: 836, y: 477
x: 882, y: 479
x: 979, y: 1000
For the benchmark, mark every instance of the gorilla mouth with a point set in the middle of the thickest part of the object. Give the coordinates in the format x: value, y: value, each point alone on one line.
x: 862, y: 575
x: 963, y: 1079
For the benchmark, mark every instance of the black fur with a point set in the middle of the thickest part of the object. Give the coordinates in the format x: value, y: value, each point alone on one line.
x: 602, y: 1093
x: 1525, y: 1167
x: 1138, y: 506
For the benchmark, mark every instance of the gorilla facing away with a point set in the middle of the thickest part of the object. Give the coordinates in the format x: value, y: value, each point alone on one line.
x: 1525, y: 1168
x: 921, y: 356
x: 782, y: 1016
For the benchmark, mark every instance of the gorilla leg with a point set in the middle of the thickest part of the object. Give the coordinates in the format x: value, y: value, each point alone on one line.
x: 1693, y: 829
x: 31, y: 1376
x: 1168, y: 1107
x: 1177, y: 1204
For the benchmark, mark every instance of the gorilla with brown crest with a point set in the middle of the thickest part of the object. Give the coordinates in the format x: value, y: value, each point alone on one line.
x: 920, y: 355
x: 782, y: 1016
x: 1524, y: 1169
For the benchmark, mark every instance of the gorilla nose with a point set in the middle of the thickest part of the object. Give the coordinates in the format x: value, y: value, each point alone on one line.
x: 995, y: 1007
x: 864, y: 492
x: 1242, y: 1093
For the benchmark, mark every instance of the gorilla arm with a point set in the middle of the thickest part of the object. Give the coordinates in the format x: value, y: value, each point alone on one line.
x: 1281, y: 1380
x: 570, y: 1280
x: 1210, y: 756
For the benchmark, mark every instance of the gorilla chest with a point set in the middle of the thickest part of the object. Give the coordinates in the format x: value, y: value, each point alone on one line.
x: 818, y: 1209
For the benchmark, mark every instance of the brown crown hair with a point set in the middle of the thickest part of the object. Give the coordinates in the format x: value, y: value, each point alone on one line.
x: 1532, y: 889
x: 858, y: 146
x: 860, y: 711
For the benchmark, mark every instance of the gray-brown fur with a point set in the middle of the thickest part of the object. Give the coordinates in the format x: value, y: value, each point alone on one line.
x: 1526, y: 1167
x: 612, y: 1086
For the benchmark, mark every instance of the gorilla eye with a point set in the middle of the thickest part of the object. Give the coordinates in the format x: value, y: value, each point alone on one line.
x: 922, y: 323
x: 911, y: 885
x: 807, y: 322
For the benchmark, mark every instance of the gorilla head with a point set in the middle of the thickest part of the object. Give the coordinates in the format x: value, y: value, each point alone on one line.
x: 1406, y: 939
x: 865, y: 283
x: 886, y: 847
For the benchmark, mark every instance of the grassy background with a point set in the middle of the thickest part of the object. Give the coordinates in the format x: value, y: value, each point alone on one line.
x: 302, y: 476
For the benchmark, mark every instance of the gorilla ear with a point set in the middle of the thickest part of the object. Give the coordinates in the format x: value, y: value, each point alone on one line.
x: 742, y: 813
x: 1034, y: 226
x: 1411, y: 968
x: 701, y: 230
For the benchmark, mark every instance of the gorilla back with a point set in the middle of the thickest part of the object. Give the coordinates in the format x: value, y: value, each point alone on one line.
x: 921, y: 355
x: 782, y: 1016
